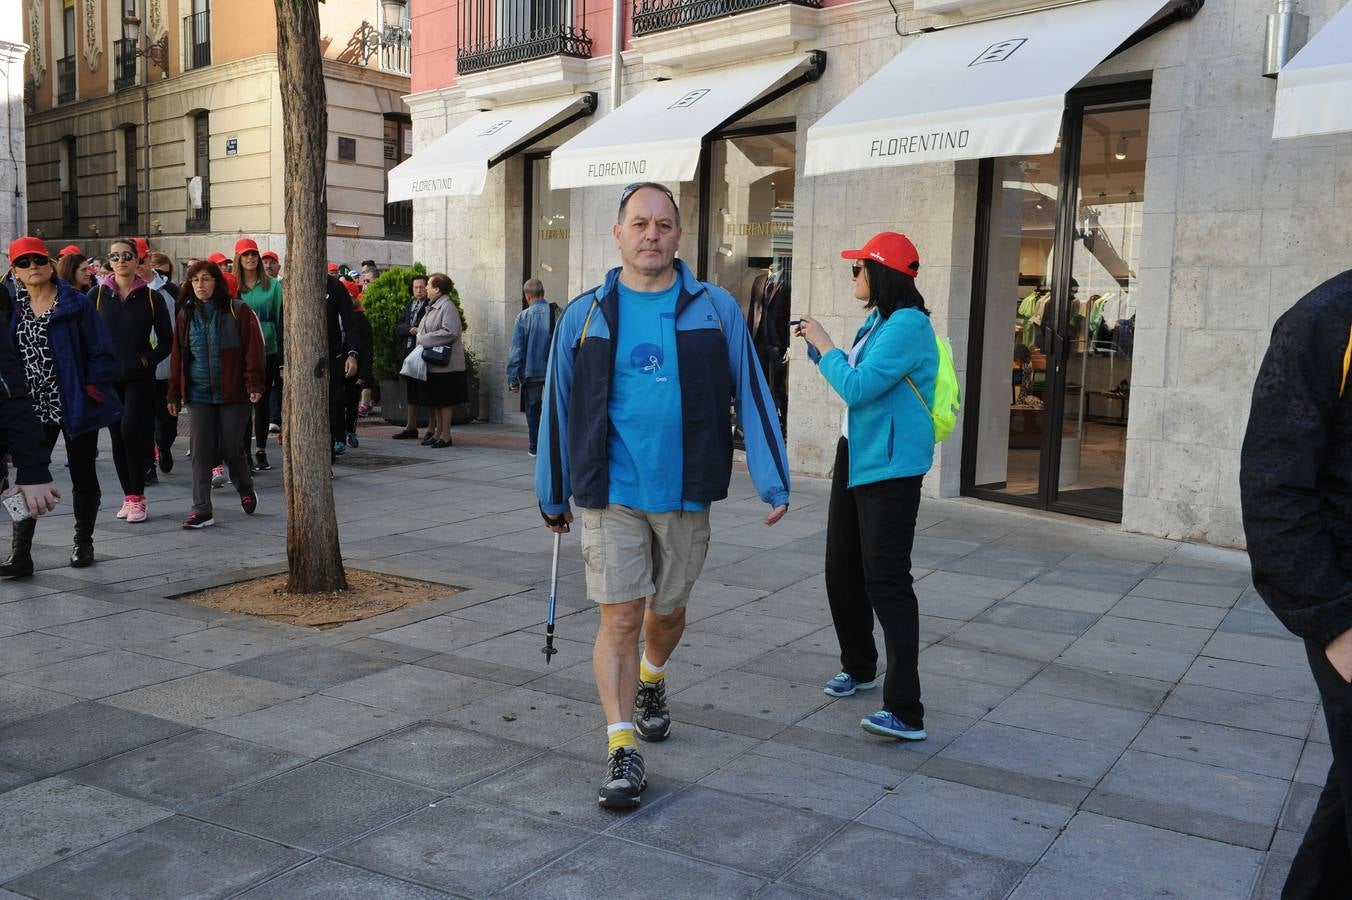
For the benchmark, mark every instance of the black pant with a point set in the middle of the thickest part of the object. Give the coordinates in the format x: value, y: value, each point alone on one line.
x: 81, y: 452
x: 869, y: 533
x: 166, y: 424
x: 532, y: 397
x: 337, y: 388
x: 1325, y: 856
x: 134, y: 435
x: 351, y: 400
x: 262, y: 410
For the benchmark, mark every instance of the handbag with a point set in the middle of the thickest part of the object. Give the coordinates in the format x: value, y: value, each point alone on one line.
x: 437, y: 356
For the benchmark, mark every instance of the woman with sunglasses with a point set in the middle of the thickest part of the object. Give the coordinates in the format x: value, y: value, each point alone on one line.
x: 69, y: 364
x: 138, y: 320
x: 73, y: 269
x: 263, y: 293
x: 886, y: 446
x: 216, y: 368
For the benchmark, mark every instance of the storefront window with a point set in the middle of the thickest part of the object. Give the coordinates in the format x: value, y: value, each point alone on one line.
x: 549, y: 229
x: 749, y: 241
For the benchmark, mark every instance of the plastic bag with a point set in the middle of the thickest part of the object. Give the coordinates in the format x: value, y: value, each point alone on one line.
x: 414, y: 365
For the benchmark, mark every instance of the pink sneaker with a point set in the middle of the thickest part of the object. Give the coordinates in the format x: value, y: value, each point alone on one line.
x: 126, y: 507
x: 136, y: 511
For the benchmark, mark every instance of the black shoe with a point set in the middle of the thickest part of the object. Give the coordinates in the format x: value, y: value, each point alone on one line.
x: 20, y: 562
x: 623, y: 781
x: 261, y: 461
x: 429, y: 440
x: 166, y: 461
x: 652, y: 718
x: 86, y: 510
x: 152, y: 476
x: 249, y: 502
x: 405, y: 435
x: 438, y: 445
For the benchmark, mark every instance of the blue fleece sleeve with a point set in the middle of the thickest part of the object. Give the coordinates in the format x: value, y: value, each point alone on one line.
x: 766, y: 457
x: 552, y: 485
x: 514, y: 354
x: 895, y: 350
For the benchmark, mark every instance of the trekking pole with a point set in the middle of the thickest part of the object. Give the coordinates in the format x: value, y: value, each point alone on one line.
x: 549, y: 649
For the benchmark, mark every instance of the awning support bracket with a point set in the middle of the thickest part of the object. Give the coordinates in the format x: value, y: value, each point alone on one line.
x: 1183, y: 11
x: 816, y: 66
x: 588, y: 107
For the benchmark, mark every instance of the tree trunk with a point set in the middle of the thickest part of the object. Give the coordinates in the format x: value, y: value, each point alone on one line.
x: 314, y: 558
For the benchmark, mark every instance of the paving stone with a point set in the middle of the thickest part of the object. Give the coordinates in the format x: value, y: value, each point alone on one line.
x: 464, y: 848
x: 103, y: 674
x: 530, y: 717
x: 1004, y: 781
x: 1252, y: 678
x: 1168, y: 612
x: 1315, y: 760
x: 311, y: 668
x: 34, y: 649
x: 521, y: 649
x: 1202, y: 575
x: 976, y: 665
x: 691, y: 753
x: 44, y: 821
x: 607, y: 867
x: 1126, y: 659
x: 316, y: 806
x: 1251, y: 711
x: 1035, y: 753
x: 478, y: 668
x: 954, y: 584
x: 758, y: 626
x: 213, y: 648
x: 78, y: 734
x: 1020, y: 642
x: 59, y: 609
x: 914, y: 869
x: 205, y: 697
x: 11, y: 776
x: 1094, y: 564
x: 324, y: 879
x: 1220, y: 745
x: 1126, y: 691
x: 1101, y: 857
x: 1182, y: 795
x: 1270, y: 882
x: 958, y: 815
x: 125, y: 629
x: 757, y: 696
x: 20, y: 701
x: 1102, y: 583
x: 1261, y: 623
x: 1038, y: 618
x: 1159, y: 636
x: 754, y: 836
x: 767, y: 571
x: 186, y: 770
x: 792, y: 664
x: 1069, y: 718
x: 854, y: 749
x: 1220, y: 596
x: 795, y: 606
x: 169, y: 860
x: 1299, y: 807
x: 960, y: 696
x: 440, y: 634
x: 1073, y: 599
x: 312, y: 726
x: 434, y: 755
x: 415, y: 690
x: 952, y: 607
x: 801, y: 783
x: 385, y: 650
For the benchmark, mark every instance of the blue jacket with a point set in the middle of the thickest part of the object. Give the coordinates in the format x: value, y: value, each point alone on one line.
x: 718, y: 368
x: 529, y: 357
x: 82, y: 353
x: 891, y: 432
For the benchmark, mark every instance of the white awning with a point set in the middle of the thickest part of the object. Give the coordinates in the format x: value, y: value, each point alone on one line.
x: 993, y: 88
x: 656, y: 135
x: 1314, y: 89
x: 456, y: 164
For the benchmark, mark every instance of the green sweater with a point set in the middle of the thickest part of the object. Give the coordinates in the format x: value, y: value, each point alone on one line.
x: 267, y: 305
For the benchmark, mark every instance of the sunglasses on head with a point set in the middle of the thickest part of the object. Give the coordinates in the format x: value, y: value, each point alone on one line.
x: 631, y: 189
x: 121, y: 256
x: 855, y: 269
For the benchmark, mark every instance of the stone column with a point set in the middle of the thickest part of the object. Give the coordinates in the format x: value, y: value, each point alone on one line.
x: 13, y: 174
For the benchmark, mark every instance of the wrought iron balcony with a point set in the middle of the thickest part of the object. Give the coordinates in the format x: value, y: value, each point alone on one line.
x: 128, y: 206
x: 198, y: 204
x: 496, y: 33
x: 197, y: 40
x: 399, y: 221
x: 70, y: 213
x: 65, y: 80
x: 124, y: 63
x: 660, y: 15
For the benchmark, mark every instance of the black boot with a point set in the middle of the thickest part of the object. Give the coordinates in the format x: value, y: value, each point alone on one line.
x: 20, y: 562
x: 86, y: 508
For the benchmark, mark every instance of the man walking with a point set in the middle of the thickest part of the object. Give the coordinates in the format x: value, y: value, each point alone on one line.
x: 1296, y: 490
x: 636, y: 428
x: 529, y: 356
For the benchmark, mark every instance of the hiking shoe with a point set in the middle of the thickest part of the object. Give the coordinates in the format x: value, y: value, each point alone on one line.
x: 261, y: 460
x: 274, y: 428
x: 352, y: 439
x: 166, y: 460
x: 249, y: 502
x: 623, y: 781
x: 218, y: 477
x: 652, y: 718
x: 197, y: 520
x: 339, y: 448
x: 136, y: 509
x: 884, y: 723
x: 126, y: 507
x: 844, y: 685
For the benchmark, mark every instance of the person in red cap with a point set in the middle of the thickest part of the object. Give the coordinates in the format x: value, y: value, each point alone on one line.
x: 221, y: 260
x: 264, y: 296
x: 272, y: 264
x: 886, y: 446
x: 68, y: 365
x: 142, y: 330
x: 68, y: 250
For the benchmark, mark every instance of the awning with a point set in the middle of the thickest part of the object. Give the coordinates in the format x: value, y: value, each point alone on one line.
x: 456, y: 164
x: 1314, y: 89
x: 992, y: 88
x: 656, y: 135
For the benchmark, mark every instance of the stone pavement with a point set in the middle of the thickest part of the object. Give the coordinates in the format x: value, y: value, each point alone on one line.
x: 1109, y: 715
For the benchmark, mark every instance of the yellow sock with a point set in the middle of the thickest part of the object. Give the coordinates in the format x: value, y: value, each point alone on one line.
x: 621, y: 736
x: 649, y: 673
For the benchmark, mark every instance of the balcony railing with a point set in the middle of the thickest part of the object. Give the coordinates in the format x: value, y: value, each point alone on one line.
x: 70, y: 213
x: 198, y: 204
x: 65, y: 80
x: 660, y: 15
x: 497, y: 33
x: 128, y: 206
x: 124, y: 63
x: 197, y: 40
x: 399, y: 220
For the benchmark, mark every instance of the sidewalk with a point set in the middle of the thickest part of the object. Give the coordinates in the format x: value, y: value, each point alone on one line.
x: 1109, y: 715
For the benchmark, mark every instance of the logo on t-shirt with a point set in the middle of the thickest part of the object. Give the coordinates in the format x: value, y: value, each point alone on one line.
x: 647, y: 358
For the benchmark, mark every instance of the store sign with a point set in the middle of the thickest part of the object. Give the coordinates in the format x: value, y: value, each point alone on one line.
x: 758, y: 229
x: 554, y: 234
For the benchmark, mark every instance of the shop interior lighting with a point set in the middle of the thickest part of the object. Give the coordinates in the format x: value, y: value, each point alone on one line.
x: 725, y: 250
x: 1121, y: 149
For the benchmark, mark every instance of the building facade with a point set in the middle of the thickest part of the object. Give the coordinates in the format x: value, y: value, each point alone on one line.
x: 1108, y: 285
x: 163, y: 118
x: 13, y: 181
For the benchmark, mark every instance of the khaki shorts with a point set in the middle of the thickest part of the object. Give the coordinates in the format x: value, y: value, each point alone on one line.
x: 632, y: 554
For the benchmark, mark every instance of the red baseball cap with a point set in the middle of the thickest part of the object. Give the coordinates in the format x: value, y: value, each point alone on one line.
x: 271, y: 254
x: 244, y: 245
x: 69, y: 249
x: 142, y: 248
x: 218, y: 258
x: 27, y: 246
x: 333, y: 268
x: 891, y: 249
x: 231, y: 284
x: 353, y: 289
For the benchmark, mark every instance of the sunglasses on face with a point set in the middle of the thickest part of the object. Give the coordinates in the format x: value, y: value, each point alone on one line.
x: 25, y: 262
x: 165, y: 272
x: 855, y: 269
x: 122, y: 256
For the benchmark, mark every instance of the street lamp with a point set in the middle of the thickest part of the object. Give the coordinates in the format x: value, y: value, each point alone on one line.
x: 153, y: 51
x: 370, y: 40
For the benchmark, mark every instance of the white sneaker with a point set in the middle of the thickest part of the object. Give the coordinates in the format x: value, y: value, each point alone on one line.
x: 126, y: 507
x: 136, y: 511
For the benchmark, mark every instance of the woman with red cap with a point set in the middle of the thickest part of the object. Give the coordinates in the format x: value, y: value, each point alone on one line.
x: 886, y: 446
x: 264, y: 296
x: 139, y: 321
x: 70, y: 366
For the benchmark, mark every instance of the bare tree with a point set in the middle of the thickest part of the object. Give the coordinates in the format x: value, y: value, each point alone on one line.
x: 314, y: 558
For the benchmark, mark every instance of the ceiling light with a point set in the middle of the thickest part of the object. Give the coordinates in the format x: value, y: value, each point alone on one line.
x: 1121, y: 148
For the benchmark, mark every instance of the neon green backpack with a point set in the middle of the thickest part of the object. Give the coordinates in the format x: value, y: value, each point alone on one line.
x: 944, y: 413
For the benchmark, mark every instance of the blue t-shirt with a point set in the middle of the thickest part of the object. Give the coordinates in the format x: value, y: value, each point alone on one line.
x: 646, y: 454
